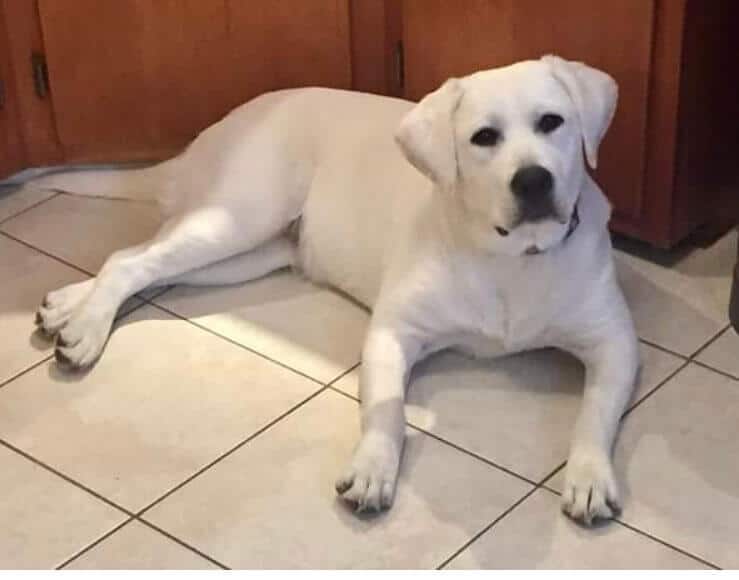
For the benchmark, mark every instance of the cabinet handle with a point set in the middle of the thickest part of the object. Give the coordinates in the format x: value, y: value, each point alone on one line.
x: 40, y: 75
x: 2, y: 94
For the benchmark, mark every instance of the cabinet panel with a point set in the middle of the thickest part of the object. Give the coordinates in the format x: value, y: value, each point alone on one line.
x: 444, y: 39
x: 12, y: 155
x: 135, y: 78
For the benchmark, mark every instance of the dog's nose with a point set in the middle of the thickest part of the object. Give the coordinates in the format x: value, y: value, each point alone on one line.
x: 532, y: 183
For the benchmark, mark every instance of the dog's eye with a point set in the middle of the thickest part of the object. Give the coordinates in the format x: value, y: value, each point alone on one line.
x: 549, y: 122
x: 486, y: 137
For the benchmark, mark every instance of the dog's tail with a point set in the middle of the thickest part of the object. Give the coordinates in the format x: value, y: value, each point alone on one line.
x: 138, y: 184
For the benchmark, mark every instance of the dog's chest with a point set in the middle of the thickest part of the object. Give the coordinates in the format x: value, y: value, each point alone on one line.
x: 507, y: 311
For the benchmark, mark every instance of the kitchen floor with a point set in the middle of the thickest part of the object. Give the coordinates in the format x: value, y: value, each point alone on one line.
x: 210, y: 432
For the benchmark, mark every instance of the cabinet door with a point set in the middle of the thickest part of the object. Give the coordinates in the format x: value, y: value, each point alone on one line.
x: 12, y: 156
x: 138, y: 78
x: 444, y: 39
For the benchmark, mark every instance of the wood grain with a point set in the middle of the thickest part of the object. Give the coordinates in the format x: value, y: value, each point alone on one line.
x: 148, y: 76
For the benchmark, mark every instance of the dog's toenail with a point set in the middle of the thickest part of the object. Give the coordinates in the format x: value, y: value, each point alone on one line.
x: 62, y: 358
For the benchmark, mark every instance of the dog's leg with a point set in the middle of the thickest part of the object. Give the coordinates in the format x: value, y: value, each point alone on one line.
x: 369, y: 483
x: 270, y: 256
x: 183, y: 243
x: 590, y: 489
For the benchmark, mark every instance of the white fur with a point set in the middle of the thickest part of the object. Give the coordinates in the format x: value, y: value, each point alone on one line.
x: 417, y: 242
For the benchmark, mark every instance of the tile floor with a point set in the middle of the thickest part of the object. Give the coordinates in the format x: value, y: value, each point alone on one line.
x: 210, y: 432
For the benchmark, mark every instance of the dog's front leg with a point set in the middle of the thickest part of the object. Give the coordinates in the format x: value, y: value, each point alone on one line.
x: 590, y: 490
x: 369, y: 483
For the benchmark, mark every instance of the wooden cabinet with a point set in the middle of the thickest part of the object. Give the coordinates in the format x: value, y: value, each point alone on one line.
x: 120, y: 80
x: 148, y: 75
x: 11, y: 148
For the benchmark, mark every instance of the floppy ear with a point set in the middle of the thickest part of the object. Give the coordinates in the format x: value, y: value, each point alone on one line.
x: 426, y: 134
x: 595, y: 95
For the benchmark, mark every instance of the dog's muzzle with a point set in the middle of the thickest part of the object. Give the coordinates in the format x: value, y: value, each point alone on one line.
x: 533, y: 188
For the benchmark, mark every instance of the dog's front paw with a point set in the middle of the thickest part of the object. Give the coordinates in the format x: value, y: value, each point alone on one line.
x: 369, y: 483
x: 590, y: 491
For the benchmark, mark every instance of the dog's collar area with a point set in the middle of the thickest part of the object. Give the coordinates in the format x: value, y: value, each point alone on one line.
x: 571, y: 227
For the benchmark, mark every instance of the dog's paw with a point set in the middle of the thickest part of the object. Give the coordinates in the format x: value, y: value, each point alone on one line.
x: 590, y: 491
x: 81, y: 341
x: 58, y: 306
x: 369, y: 483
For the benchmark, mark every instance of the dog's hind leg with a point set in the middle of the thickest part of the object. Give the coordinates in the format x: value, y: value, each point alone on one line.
x: 184, y: 243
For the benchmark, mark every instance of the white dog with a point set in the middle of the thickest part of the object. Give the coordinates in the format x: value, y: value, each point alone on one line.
x: 492, y: 239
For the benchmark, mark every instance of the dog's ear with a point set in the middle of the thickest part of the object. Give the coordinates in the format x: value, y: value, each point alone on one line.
x: 426, y: 134
x: 595, y: 95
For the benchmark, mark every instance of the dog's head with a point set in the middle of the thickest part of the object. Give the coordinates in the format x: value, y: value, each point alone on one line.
x: 504, y: 148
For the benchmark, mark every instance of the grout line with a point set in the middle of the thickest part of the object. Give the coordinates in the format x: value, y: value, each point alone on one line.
x: 545, y: 482
x: 94, y: 543
x: 709, y: 342
x: 472, y: 454
x: 29, y: 208
x: 47, y: 254
x: 235, y: 343
x: 667, y: 544
x: 663, y: 348
x: 728, y: 375
x: 473, y: 539
x: 651, y: 392
x: 26, y: 370
x: 484, y: 530
x: 233, y: 449
x: 66, y: 477
x: 637, y: 530
x: 686, y: 361
x: 182, y: 543
x: 449, y: 443
x: 342, y: 375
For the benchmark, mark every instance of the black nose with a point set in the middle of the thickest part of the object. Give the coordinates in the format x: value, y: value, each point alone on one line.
x: 532, y: 184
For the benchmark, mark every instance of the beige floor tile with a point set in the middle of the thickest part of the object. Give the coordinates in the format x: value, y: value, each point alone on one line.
x: 165, y: 399
x: 84, y: 231
x: 678, y: 467
x: 282, y: 316
x: 536, y: 535
x: 138, y: 547
x: 723, y: 354
x: 14, y: 201
x: 45, y: 520
x: 516, y: 411
x: 272, y: 504
x: 26, y: 277
x: 680, y: 303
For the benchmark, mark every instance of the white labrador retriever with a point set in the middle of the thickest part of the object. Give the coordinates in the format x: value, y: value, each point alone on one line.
x: 492, y: 239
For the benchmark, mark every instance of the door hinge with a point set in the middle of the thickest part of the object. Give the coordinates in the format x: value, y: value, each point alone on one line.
x: 40, y: 74
x: 399, y: 65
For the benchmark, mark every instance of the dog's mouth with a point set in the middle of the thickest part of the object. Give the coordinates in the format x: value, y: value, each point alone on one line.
x: 572, y: 221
